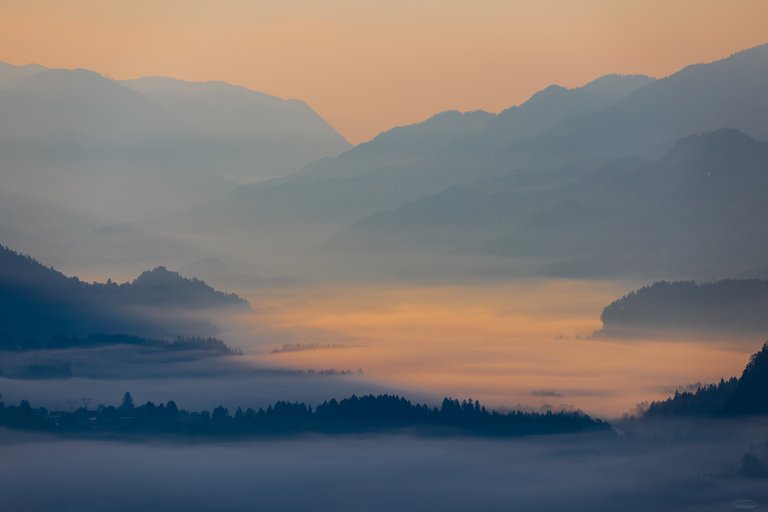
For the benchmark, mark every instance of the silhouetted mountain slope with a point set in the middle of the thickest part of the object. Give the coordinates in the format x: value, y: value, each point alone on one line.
x: 395, y: 148
x: 254, y: 133
x: 440, y: 151
x: 704, y: 401
x: 165, y: 144
x: 37, y: 302
x: 34, y: 224
x: 335, y: 191
x: 751, y: 393
x: 633, y: 214
x: 79, y: 114
x: 697, y: 211
x: 747, y: 395
x: 75, y: 112
x: 573, y: 182
x: 9, y: 73
x: 68, y: 133
x: 729, y: 93
x: 547, y: 109
x: 730, y: 305
x: 653, y: 114
x: 168, y: 289
x: 396, y: 167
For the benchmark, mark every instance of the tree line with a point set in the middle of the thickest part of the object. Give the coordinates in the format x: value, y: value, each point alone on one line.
x: 743, y: 396
x: 367, y: 413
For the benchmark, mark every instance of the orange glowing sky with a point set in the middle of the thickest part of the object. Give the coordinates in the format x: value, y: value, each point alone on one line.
x: 368, y: 65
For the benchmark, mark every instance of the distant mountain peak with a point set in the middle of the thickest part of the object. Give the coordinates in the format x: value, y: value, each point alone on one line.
x: 77, y: 75
x: 157, y: 275
x: 162, y: 280
x: 616, y: 85
x: 12, y: 72
x: 547, y: 94
x: 612, y: 87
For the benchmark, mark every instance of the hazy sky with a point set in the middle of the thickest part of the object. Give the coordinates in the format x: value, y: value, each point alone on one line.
x: 368, y: 65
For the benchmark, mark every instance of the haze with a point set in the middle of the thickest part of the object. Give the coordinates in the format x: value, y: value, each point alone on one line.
x: 501, y: 255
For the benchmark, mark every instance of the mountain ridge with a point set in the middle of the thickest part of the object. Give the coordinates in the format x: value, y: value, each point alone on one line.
x: 39, y: 302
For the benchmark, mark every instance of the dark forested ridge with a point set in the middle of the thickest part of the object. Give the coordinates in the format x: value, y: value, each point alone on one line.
x: 735, y: 305
x: 38, y: 303
x: 747, y: 395
x: 355, y: 414
x: 707, y: 400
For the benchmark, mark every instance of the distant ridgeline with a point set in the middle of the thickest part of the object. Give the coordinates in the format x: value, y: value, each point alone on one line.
x: 355, y: 414
x: 731, y: 305
x: 747, y: 395
x: 99, y: 340
x: 39, y: 305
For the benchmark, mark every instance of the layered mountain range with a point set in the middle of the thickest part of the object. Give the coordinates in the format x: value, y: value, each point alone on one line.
x: 626, y: 176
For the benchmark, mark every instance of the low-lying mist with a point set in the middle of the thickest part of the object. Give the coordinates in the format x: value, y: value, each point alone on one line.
x: 383, y: 473
x: 521, y: 344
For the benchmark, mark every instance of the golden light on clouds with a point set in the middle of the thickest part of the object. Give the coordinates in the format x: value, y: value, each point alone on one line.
x: 369, y: 65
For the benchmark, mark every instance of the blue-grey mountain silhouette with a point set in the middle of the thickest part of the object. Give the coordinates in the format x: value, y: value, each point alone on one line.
x: 38, y: 303
x: 731, y: 305
x: 165, y: 144
x: 398, y: 166
x: 695, y: 212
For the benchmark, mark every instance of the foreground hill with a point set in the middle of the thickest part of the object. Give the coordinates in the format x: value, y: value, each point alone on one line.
x: 37, y: 303
x: 747, y: 395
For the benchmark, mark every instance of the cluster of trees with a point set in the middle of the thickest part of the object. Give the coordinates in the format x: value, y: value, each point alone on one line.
x: 704, y: 401
x: 355, y: 414
x: 747, y: 395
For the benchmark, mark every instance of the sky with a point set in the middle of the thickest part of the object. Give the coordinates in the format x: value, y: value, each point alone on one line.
x: 365, y: 65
